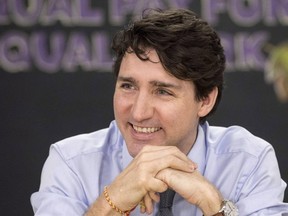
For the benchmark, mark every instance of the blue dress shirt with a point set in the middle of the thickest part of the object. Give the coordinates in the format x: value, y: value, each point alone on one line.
x: 242, y: 166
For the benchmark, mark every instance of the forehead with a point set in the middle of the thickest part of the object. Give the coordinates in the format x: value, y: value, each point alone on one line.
x: 151, y: 71
x: 131, y: 65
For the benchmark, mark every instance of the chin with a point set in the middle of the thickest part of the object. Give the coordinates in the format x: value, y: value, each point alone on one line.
x: 133, y: 153
x: 134, y: 149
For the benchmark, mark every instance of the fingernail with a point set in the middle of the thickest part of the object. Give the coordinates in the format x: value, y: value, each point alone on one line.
x: 193, y: 166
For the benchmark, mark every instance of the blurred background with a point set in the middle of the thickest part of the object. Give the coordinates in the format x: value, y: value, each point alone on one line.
x: 56, y: 79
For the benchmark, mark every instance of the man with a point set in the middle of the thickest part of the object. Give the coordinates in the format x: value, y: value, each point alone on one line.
x: 169, y: 67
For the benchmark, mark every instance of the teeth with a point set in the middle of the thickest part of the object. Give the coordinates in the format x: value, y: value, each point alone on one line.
x: 145, y: 129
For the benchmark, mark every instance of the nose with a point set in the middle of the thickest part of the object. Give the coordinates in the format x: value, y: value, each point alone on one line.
x: 142, y: 108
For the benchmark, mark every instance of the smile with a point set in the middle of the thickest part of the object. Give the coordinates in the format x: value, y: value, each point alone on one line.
x: 146, y: 129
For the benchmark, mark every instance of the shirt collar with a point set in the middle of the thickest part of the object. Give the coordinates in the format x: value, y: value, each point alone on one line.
x: 198, y: 152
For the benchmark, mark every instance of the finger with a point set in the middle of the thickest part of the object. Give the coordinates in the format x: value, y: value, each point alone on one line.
x: 168, y: 176
x: 148, y: 204
x: 154, y: 196
x: 162, y: 151
x: 172, y: 177
x: 142, y: 206
x: 164, y: 157
x: 170, y: 161
x: 156, y: 185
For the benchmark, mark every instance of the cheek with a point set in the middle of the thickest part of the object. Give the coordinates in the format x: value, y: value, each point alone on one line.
x: 182, y: 109
x: 170, y: 116
x: 116, y: 104
x: 182, y: 115
x: 120, y: 104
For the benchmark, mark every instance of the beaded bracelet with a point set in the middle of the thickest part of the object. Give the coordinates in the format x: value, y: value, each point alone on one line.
x: 124, y: 213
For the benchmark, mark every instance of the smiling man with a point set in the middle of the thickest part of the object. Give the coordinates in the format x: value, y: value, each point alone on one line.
x: 169, y: 68
x: 151, y: 105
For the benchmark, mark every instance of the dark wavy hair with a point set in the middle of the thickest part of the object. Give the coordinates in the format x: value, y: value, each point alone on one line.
x: 187, y: 46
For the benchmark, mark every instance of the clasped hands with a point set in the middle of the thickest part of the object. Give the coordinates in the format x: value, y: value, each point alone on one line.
x: 155, y: 169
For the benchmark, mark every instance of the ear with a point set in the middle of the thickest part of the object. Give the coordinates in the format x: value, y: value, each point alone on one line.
x: 207, y: 104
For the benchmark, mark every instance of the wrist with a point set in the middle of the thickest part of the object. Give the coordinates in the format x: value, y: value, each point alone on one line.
x: 104, y: 205
x: 113, y: 206
x: 211, y: 208
x: 100, y: 207
x: 211, y: 203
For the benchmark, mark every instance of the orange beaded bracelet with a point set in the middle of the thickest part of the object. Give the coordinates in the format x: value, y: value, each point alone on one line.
x: 124, y: 213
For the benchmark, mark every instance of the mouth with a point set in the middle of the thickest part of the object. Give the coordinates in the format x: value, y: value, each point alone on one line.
x: 145, y: 130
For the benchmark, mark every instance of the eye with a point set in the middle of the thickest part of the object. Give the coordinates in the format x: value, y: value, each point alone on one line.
x: 163, y: 92
x: 126, y: 86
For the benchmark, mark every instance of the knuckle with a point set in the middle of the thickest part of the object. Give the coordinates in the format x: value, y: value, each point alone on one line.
x: 172, y: 159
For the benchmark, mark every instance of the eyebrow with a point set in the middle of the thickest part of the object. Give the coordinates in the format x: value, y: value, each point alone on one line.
x: 165, y: 84
x: 152, y: 83
x: 126, y: 79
